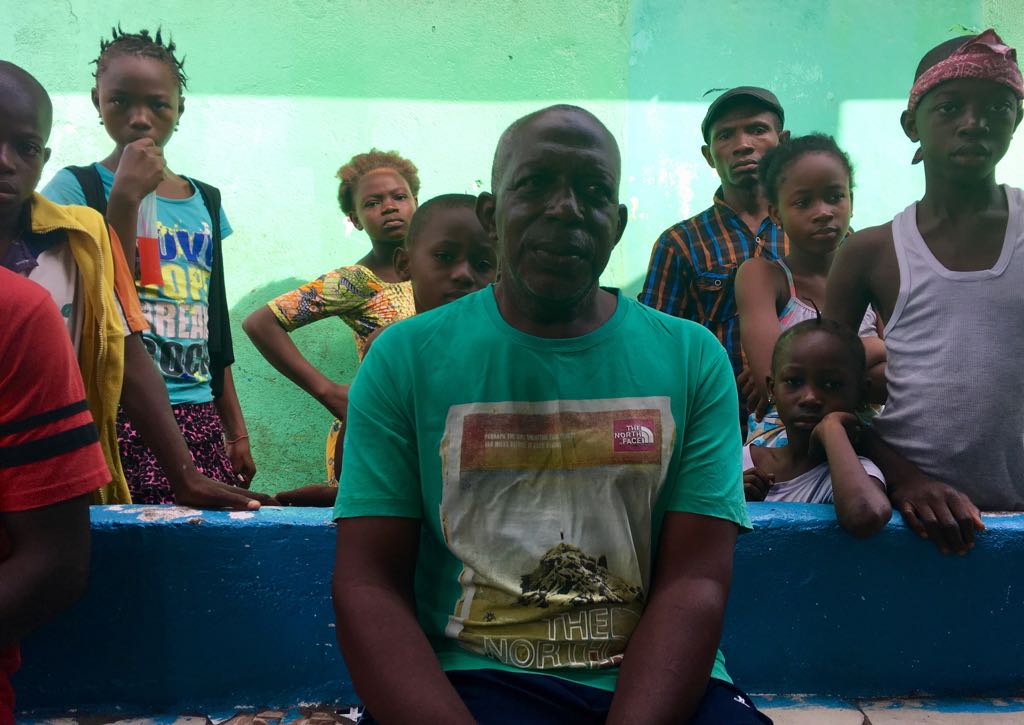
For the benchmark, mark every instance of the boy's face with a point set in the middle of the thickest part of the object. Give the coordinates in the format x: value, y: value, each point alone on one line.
x: 964, y: 126
x: 23, y: 152
x: 383, y: 206
x: 138, y: 97
x: 450, y: 257
x: 556, y: 211
x: 737, y: 141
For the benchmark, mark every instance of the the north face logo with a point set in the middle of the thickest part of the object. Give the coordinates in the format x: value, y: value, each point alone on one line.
x: 634, y: 435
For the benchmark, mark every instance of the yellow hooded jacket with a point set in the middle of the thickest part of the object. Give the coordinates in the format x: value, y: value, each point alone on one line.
x: 106, y: 285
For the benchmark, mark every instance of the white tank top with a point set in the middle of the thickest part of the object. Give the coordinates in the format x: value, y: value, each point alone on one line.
x: 955, y: 369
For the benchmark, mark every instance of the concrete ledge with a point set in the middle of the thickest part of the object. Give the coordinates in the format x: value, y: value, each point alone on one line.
x: 208, y: 611
x: 813, y: 610
x: 194, y: 611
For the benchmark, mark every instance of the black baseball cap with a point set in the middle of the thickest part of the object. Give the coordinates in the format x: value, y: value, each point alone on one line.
x: 761, y: 96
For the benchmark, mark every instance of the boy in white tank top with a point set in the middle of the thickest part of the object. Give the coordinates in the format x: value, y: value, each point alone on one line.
x: 946, y: 276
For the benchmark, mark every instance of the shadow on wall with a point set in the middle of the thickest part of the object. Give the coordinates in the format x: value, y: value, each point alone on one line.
x: 287, y: 428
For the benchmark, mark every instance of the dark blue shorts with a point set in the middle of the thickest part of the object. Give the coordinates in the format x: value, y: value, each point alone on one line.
x: 496, y: 697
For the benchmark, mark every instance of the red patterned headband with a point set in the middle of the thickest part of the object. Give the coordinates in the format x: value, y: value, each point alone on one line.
x: 984, y: 56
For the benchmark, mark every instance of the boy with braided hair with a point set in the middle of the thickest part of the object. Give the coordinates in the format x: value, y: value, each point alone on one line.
x: 138, y: 94
x: 68, y: 251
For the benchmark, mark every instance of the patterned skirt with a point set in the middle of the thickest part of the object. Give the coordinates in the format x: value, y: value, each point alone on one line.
x: 333, y: 454
x: 204, y: 434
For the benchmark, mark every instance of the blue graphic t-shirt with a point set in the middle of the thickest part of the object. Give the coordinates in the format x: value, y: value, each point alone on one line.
x: 178, y: 311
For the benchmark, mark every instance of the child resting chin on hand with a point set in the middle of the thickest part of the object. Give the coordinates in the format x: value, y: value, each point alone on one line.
x: 817, y: 382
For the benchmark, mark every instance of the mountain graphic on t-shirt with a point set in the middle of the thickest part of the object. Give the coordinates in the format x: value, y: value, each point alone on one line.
x: 566, y: 575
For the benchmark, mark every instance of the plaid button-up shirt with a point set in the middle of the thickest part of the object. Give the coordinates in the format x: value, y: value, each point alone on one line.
x: 693, y: 266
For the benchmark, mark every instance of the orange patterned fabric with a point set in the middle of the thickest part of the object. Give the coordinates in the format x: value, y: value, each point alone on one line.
x: 355, y: 294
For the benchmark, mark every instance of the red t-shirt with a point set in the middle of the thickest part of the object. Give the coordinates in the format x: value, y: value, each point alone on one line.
x: 48, y: 442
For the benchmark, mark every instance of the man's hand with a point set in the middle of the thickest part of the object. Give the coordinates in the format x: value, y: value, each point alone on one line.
x: 394, y: 670
x: 757, y: 483
x: 199, y: 491
x: 937, y: 511
x: 240, y: 455
x: 757, y: 402
x: 141, y: 169
x: 745, y: 382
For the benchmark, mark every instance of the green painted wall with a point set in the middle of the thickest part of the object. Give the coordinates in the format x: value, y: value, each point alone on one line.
x: 282, y: 95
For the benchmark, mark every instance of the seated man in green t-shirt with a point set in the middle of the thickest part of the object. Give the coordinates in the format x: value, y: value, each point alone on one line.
x: 542, y: 485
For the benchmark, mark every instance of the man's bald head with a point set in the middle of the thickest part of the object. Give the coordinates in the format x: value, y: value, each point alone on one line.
x: 507, y: 142
x: 553, y: 213
x: 18, y: 86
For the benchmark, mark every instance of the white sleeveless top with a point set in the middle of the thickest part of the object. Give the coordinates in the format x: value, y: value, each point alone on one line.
x: 797, y: 311
x: 955, y: 368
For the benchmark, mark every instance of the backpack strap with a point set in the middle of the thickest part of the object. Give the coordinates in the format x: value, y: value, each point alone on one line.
x: 219, y: 325
x: 92, y: 186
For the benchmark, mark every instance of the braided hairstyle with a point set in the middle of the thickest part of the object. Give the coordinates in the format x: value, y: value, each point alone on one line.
x: 846, y: 336
x: 778, y: 159
x: 141, y: 43
x: 362, y: 164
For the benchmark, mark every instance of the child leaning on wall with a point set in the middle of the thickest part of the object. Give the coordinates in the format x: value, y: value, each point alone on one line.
x: 808, y: 182
x: 447, y: 255
x: 138, y: 95
x: 817, y: 382
x: 946, y: 275
x: 378, y: 195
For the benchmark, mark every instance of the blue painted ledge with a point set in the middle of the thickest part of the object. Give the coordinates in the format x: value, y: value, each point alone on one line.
x: 190, y: 610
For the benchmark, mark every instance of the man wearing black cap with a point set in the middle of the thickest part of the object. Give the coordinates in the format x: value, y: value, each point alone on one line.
x: 693, y: 264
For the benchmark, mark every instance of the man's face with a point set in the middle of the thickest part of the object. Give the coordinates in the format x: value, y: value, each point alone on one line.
x: 23, y: 152
x: 556, y: 215
x: 738, y: 139
x: 964, y: 126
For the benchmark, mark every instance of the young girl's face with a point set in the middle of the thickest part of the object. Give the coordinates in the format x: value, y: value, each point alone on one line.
x: 814, y: 204
x: 138, y: 97
x: 383, y: 205
x: 814, y: 377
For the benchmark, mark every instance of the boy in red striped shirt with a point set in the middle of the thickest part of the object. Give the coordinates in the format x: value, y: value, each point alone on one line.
x: 50, y: 462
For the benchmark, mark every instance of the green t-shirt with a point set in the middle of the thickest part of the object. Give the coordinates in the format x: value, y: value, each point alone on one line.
x: 541, y: 471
